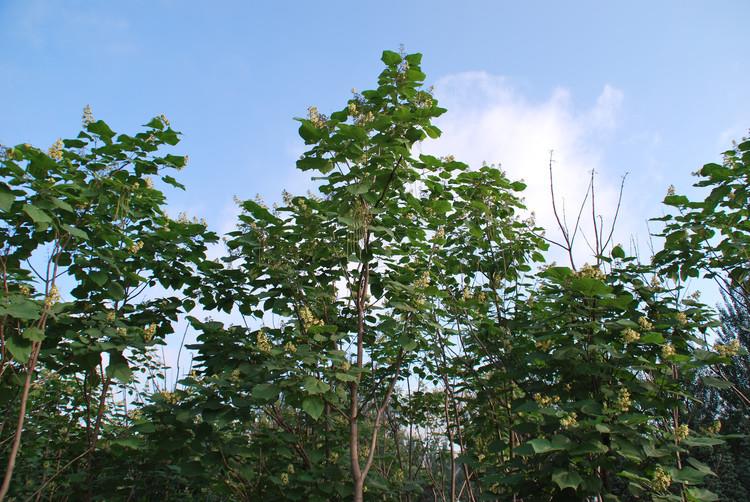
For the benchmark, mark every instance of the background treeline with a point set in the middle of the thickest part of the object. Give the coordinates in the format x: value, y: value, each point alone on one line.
x: 395, y: 336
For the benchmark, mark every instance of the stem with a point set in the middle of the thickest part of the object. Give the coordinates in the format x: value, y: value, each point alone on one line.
x: 19, y: 424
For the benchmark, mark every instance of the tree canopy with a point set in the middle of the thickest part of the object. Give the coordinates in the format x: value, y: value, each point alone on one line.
x: 396, y: 335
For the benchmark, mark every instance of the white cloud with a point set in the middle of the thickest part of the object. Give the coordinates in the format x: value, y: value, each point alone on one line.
x: 488, y: 120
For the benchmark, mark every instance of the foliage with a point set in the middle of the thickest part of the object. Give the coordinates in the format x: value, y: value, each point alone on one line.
x: 594, y: 370
x: 712, y: 235
x: 709, y: 238
x: 395, y: 335
x: 86, y: 212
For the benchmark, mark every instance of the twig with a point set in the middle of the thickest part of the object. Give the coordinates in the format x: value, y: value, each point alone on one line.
x: 59, y: 471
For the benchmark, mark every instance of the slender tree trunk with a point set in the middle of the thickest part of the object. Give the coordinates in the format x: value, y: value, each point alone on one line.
x: 359, y: 490
x: 357, y: 475
x: 19, y: 424
x: 52, y: 267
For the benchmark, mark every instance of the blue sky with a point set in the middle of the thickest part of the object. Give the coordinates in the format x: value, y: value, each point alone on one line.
x: 232, y: 76
x: 655, y: 89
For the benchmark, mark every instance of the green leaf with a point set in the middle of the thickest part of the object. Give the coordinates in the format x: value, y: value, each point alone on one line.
x: 627, y: 323
x: 36, y: 214
x: 259, y: 211
x: 61, y: 204
x: 541, y: 445
x: 518, y: 186
x: 590, y: 446
x: 588, y: 286
x: 76, y: 232
x: 118, y: 367
x: 21, y: 308
x: 178, y: 161
x: 441, y: 206
x: 317, y: 163
x: 702, y: 441
x: 314, y: 386
x: 170, y: 137
x: 628, y: 450
x: 618, y: 252
x: 171, y: 181
x: 557, y: 274
x: 101, y: 129
x: 99, y: 277
x: 676, y: 200
x: 184, y: 416
x: 155, y: 123
x: 700, y: 466
x: 115, y: 290
x: 432, y: 131
x: 359, y: 188
x: 716, y: 171
x: 414, y: 59
x: 566, y: 479
x: 652, y: 451
x: 407, y: 342
x: 653, y: 337
x: 687, y: 475
x: 702, y: 494
x: 19, y: 347
x: 345, y: 377
x: 74, y: 143
x: 633, y: 477
x: 390, y: 58
x: 130, y: 443
x: 266, y: 391
x: 560, y: 442
x: 716, y: 382
x: 313, y: 406
x: 415, y: 75
x: 34, y: 334
x: 309, y: 132
x: 6, y: 200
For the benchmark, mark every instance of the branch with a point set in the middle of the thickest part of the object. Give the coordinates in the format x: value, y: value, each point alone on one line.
x: 59, y: 471
x: 563, y: 227
x: 379, y: 416
x: 390, y: 179
x: 597, y: 243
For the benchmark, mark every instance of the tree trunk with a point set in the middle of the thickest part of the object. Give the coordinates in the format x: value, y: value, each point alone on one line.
x: 359, y: 490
